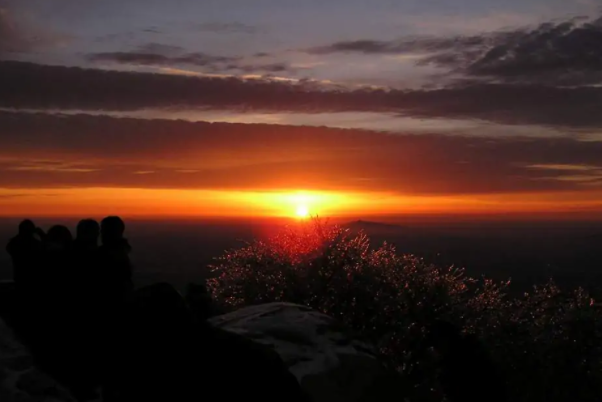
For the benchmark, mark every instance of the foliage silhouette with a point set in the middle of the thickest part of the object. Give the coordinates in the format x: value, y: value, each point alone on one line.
x: 547, y: 343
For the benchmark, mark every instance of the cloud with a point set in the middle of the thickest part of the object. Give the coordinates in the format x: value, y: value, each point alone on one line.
x: 413, y: 45
x: 12, y: 196
x: 93, y: 151
x: 563, y: 53
x: 141, y: 58
x: 152, y: 30
x: 33, y: 86
x: 11, y: 37
x: 17, y: 38
x: 227, y: 27
x: 566, y: 53
x: 155, y: 54
x: 49, y: 166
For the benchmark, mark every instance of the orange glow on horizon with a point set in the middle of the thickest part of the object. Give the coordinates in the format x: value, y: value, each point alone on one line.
x: 287, y: 204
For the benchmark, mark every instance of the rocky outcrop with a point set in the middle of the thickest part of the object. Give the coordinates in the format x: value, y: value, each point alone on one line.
x: 20, y: 380
x: 329, y: 363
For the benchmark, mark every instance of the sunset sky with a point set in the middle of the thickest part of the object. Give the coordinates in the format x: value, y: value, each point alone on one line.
x: 263, y: 107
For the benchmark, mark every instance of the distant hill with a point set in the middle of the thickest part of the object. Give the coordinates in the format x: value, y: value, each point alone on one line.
x: 373, y: 227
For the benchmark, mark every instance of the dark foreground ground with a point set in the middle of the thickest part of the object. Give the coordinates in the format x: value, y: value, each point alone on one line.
x: 528, y: 252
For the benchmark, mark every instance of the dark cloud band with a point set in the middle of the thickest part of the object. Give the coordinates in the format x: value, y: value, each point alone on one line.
x: 33, y: 86
x: 560, y: 53
x: 40, y: 150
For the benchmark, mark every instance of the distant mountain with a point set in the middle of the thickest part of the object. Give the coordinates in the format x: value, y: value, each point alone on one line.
x: 371, y: 226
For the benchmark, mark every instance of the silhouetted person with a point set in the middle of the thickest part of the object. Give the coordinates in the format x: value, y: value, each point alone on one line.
x: 88, y: 231
x: 87, y: 315
x: 112, y: 229
x: 58, y: 244
x: 25, y: 251
x: 56, y: 271
x: 116, y: 269
x: 467, y: 371
x: 109, y: 287
x: 51, y: 297
x: 85, y: 259
x: 59, y: 237
x: 68, y: 348
x: 112, y: 272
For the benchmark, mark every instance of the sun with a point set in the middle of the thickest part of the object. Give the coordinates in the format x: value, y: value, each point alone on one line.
x: 302, y: 211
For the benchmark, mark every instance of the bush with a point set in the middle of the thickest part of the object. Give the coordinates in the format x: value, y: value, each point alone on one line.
x: 547, y: 343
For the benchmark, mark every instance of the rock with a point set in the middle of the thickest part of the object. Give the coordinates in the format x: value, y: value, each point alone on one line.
x: 32, y: 383
x: 167, y: 354
x: 328, y: 362
x: 18, y: 363
x: 154, y: 353
x: 8, y: 292
x: 20, y: 380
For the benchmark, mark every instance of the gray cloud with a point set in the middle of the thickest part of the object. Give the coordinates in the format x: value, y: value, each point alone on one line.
x: 423, y: 45
x: 16, y: 38
x: 152, y: 30
x: 142, y: 58
x: 160, y: 48
x: 11, y: 37
x: 33, y: 86
x: 155, y: 54
x: 567, y: 53
x: 559, y: 53
x: 227, y: 27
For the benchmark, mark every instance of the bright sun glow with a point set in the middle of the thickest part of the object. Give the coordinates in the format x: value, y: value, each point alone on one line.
x: 135, y: 202
x: 302, y: 211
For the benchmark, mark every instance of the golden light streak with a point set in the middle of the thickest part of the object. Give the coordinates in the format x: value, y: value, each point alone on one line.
x: 226, y: 203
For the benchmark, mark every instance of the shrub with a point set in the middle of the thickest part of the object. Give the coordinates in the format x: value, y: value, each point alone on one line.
x: 547, y: 343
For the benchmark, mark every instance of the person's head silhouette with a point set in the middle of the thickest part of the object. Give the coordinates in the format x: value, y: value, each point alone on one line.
x: 59, y: 236
x: 112, y: 229
x: 27, y: 228
x: 88, y: 231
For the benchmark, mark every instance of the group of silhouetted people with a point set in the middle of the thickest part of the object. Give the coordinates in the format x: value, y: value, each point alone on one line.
x: 71, y: 295
x: 56, y: 258
x: 78, y: 312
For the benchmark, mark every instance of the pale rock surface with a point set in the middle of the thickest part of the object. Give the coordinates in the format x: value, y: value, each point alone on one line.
x: 20, y: 380
x: 325, y: 358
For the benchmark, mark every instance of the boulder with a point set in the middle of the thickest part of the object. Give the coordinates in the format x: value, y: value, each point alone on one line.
x: 8, y: 291
x: 328, y: 361
x: 167, y: 354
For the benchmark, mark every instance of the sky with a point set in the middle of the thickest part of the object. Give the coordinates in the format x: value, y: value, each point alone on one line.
x: 272, y: 107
